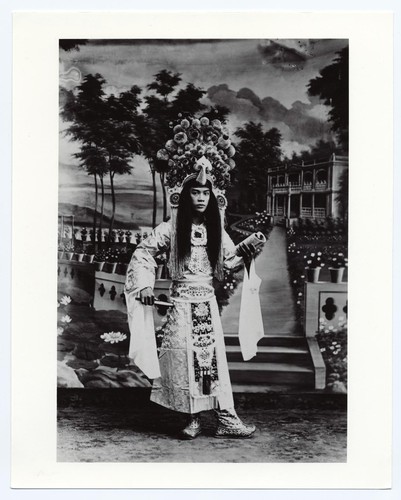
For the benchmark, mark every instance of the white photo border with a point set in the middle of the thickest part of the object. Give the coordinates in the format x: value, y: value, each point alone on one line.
x: 35, y: 158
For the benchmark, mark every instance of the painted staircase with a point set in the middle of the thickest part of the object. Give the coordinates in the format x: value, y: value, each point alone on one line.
x: 282, y: 363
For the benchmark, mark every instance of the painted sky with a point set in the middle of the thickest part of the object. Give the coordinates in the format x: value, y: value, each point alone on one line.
x: 260, y: 80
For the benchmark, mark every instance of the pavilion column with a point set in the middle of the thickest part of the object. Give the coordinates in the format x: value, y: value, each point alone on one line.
x: 273, y: 205
x: 313, y: 205
x: 300, y: 204
x: 328, y: 204
x: 288, y: 205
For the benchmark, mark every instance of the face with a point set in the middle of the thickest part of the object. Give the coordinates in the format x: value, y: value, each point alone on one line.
x: 200, y: 198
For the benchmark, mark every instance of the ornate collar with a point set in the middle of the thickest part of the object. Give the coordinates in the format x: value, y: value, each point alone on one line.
x: 198, y: 234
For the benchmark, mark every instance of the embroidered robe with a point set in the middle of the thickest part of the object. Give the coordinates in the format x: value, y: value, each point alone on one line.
x: 193, y: 365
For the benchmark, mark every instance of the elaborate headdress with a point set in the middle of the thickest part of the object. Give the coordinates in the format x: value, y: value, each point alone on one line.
x: 201, y: 150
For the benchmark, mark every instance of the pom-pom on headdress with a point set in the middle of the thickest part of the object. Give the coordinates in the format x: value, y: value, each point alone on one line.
x: 200, y: 149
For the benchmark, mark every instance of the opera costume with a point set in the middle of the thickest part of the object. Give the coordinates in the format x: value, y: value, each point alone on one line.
x: 190, y: 368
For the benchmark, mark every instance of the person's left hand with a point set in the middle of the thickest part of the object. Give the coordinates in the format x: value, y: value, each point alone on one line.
x: 246, y: 250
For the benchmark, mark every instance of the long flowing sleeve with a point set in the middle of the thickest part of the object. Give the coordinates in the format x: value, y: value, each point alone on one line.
x: 250, y: 328
x: 232, y: 261
x: 142, y: 268
x: 141, y: 274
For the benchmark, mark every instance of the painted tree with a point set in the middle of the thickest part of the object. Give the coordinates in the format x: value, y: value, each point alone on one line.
x: 332, y: 86
x: 322, y: 150
x: 85, y: 111
x: 257, y: 151
x: 68, y: 44
x: 119, y: 137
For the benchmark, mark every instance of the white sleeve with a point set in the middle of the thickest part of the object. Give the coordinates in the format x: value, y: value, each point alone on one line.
x: 142, y: 267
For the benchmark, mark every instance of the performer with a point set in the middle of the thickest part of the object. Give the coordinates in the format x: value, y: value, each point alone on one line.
x: 191, y: 371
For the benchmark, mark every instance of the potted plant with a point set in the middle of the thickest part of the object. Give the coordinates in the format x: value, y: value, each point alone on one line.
x: 128, y: 236
x: 313, y: 262
x: 113, y: 236
x: 337, y: 264
x: 89, y: 254
x: 99, y: 260
x: 60, y: 250
x: 84, y: 234
x: 69, y: 250
x: 79, y: 252
x: 121, y: 235
x: 111, y: 260
x: 124, y: 261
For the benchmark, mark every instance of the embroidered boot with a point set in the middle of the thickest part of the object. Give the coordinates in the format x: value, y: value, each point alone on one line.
x: 231, y: 426
x: 193, y: 427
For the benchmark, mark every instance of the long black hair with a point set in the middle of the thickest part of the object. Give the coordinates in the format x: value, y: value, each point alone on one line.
x: 211, y: 219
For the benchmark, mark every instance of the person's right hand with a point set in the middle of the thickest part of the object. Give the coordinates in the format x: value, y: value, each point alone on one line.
x: 147, y: 296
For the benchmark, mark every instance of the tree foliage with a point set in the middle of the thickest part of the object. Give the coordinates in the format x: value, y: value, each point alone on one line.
x: 105, y: 129
x: 332, y: 86
x: 68, y: 44
x: 321, y: 151
x: 257, y: 151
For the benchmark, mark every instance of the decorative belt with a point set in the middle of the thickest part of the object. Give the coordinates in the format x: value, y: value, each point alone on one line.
x: 192, y: 291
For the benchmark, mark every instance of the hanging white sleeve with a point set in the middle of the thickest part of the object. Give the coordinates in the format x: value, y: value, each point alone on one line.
x: 142, y: 348
x: 250, y: 329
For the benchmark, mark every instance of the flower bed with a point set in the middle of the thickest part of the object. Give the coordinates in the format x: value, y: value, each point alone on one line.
x: 311, y: 231
x: 323, y: 245
x: 260, y: 222
x: 333, y: 346
x: 306, y: 250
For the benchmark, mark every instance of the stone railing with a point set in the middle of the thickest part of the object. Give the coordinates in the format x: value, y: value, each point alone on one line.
x: 85, y: 235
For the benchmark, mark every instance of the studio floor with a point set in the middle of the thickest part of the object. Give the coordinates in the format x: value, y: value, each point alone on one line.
x: 123, y: 427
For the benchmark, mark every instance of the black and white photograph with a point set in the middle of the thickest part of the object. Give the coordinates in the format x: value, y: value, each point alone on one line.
x: 203, y: 250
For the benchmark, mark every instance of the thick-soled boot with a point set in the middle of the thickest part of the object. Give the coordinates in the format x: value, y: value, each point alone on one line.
x: 193, y: 427
x: 231, y: 426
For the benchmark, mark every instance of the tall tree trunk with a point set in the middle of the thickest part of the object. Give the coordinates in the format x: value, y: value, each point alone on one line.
x: 101, y: 210
x: 164, y: 196
x: 113, y: 203
x: 95, y: 213
x: 154, y: 194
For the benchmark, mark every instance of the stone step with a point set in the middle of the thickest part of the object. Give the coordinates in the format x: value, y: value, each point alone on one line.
x: 273, y: 354
x: 270, y: 374
x: 276, y: 340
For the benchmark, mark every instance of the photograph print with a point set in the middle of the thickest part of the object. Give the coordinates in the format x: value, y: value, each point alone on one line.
x: 202, y: 250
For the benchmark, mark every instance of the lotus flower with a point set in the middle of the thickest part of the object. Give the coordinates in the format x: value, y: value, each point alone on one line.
x: 113, y: 337
x: 66, y: 319
x: 65, y: 300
